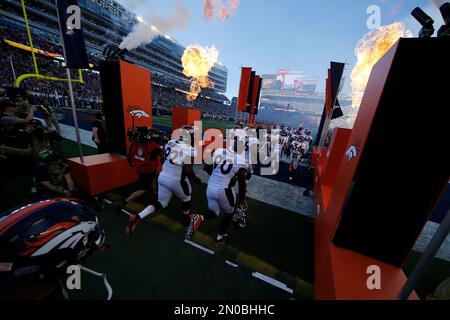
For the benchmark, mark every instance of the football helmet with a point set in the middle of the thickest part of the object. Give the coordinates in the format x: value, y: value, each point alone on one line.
x: 188, y: 133
x: 240, y: 218
x: 238, y: 125
x: 40, y: 240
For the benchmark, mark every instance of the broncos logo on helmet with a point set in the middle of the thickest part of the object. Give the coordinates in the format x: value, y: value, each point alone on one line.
x: 42, y: 239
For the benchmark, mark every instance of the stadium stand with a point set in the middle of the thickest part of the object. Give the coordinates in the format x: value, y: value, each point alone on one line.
x: 104, y: 23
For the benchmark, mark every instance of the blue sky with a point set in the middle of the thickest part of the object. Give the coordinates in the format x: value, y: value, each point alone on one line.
x: 285, y: 34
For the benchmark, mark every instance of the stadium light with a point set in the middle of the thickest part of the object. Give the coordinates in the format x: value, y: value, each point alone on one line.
x: 444, y: 31
x: 139, y: 19
x: 426, y: 21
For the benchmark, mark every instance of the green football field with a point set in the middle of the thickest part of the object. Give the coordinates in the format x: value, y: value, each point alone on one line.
x: 156, y: 263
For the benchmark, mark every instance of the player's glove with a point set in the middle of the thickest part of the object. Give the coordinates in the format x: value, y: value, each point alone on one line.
x: 197, y: 180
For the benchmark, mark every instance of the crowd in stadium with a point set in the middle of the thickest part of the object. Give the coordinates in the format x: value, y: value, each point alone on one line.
x: 15, y: 62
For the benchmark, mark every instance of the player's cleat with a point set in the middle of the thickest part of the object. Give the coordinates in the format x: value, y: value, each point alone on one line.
x: 187, y: 218
x: 132, y: 224
x: 196, y: 221
x: 118, y: 205
x: 221, y: 240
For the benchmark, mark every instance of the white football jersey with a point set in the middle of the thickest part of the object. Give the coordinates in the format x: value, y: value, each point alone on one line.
x: 283, y: 140
x: 251, y: 145
x: 293, y: 137
x: 176, y: 155
x: 251, y: 150
x: 226, y: 164
x: 240, y: 133
x: 298, y: 148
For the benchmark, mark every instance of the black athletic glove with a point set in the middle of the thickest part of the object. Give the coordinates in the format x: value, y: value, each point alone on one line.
x: 197, y: 180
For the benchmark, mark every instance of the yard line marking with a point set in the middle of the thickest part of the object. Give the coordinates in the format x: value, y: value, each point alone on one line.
x: 273, y: 282
x: 234, y: 265
x: 199, y: 247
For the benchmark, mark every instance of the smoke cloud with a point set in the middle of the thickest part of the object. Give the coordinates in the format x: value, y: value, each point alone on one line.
x: 144, y: 32
x: 216, y: 9
x: 179, y: 21
x: 438, y: 3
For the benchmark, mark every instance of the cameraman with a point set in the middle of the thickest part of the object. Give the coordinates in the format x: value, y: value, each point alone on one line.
x: 51, y: 172
x: 145, y: 155
x: 47, y: 113
x: 14, y: 135
x: 9, y: 118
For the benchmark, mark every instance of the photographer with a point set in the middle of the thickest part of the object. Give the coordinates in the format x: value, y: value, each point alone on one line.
x: 145, y: 155
x: 14, y: 133
x: 50, y: 170
x: 52, y: 175
x: 9, y: 118
x: 47, y: 113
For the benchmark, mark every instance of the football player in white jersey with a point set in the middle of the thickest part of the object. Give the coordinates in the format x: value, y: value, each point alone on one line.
x: 228, y: 168
x: 307, y: 134
x: 174, y: 179
x: 250, y: 150
x: 299, y: 148
x: 283, y: 141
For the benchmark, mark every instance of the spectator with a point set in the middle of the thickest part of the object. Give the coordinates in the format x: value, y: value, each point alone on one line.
x: 99, y: 133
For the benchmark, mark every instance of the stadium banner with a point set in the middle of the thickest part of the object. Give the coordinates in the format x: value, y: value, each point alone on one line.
x: 69, y: 14
x: 328, y: 93
x: 254, y: 90
x: 337, y: 111
x: 251, y: 88
x: 322, y: 124
x: 337, y: 71
x: 246, y: 74
x: 256, y: 95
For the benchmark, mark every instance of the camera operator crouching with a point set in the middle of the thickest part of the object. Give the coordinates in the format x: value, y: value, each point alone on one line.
x: 50, y: 170
x: 145, y: 155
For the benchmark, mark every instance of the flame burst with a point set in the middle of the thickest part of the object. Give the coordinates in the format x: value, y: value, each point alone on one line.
x: 197, y: 62
x: 217, y: 9
x: 368, y: 51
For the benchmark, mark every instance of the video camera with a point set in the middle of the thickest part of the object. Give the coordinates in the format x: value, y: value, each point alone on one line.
x: 143, y: 135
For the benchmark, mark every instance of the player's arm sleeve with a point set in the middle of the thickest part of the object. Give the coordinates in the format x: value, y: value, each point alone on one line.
x: 193, y: 152
x: 208, y: 168
x: 155, y: 153
x: 189, y: 171
x: 242, y: 175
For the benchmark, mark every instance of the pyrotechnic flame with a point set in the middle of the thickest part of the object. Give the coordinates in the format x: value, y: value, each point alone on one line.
x: 368, y: 51
x: 197, y: 62
x: 217, y: 9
